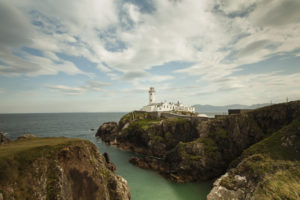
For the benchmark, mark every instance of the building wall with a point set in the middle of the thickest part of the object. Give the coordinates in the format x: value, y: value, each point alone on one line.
x: 237, y: 111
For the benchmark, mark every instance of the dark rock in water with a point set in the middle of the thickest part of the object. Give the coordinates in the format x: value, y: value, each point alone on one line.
x: 108, y: 132
x: 3, y: 139
x: 58, y: 168
x: 109, y: 164
x: 106, y: 156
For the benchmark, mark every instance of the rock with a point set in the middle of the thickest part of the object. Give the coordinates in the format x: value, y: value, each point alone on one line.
x: 267, y: 170
x: 108, y: 132
x: 193, y: 150
x: 3, y: 139
x: 109, y: 164
x: 139, y: 162
x: 58, y: 168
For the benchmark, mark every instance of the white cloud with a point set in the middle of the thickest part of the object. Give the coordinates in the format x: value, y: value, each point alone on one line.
x: 191, y: 31
x: 125, y: 43
x: 97, y: 86
x: 66, y: 89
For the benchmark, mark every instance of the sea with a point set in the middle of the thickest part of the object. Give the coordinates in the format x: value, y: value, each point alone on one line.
x: 144, y: 184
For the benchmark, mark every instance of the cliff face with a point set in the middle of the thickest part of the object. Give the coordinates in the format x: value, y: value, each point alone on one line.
x: 58, y: 168
x: 221, y: 141
x: 192, y: 150
x: 268, y: 169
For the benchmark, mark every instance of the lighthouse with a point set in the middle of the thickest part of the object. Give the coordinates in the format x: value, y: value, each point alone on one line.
x: 151, y: 95
x: 164, y: 106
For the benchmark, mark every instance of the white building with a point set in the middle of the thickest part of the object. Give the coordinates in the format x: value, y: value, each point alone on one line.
x: 164, y: 106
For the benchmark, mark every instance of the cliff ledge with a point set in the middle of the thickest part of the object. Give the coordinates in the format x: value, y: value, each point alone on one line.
x: 57, y: 168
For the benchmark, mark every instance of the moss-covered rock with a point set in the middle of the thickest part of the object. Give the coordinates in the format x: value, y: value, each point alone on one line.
x: 57, y: 168
x: 268, y: 169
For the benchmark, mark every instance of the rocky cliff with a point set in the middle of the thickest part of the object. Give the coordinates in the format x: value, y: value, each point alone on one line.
x: 191, y: 150
x: 58, y: 168
x: 269, y: 169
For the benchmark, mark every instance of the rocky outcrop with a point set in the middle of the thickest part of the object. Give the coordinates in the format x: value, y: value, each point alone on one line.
x: 3, y: 139
x: 108, y: 132
x: 267, y: 170
x: 58, y: 168
x: 191, y: 150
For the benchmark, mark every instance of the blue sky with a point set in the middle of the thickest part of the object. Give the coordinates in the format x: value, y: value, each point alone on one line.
x: 99, y: 56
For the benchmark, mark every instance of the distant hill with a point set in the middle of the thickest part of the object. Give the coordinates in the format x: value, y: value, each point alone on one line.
x: 223, y: 109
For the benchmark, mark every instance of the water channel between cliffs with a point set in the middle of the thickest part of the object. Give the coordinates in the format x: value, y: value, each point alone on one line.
x: 144, y: 184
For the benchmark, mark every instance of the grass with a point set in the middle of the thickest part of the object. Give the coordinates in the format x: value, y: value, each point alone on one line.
x: 23, y: 145
x: 272, y: 147
x: 144, y: 123
x: 137, y: 116
x: 275, y: 168
x: 18, y: 155
x: 209, y: 145
x: 176, y: 120
x: 17, y: 163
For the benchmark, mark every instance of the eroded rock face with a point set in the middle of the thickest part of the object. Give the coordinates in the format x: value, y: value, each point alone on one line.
x: 108, y: 132
x: 193, y: 150
x: 267, y: 170
x: 68, y: 170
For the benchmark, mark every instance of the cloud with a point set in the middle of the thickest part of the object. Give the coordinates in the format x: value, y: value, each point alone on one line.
x: 66, y: 89
x: 126, y: 39
x: 253, y: 47
x: 131, y: 37
x: 32, y: 65
x: 134, y: 75
x: 281, y: 14
x: 96, y: 85
x: 88, y: 86
x: 15, y: 29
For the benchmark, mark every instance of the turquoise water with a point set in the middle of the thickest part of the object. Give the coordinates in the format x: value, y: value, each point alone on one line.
x: 144, y: 184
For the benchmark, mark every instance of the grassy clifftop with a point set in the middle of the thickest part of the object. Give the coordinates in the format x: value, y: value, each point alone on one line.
x: 57, y: 168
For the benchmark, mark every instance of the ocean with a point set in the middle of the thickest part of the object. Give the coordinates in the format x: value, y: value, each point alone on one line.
x: 144, y: 184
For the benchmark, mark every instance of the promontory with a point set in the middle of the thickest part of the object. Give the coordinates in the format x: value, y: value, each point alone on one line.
x: 57, y: 169
x: 254, y: 154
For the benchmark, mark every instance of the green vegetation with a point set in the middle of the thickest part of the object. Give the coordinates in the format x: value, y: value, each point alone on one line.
x: 157, y: 138
x: 24, y: 145
x: 273, y: 163
x: 219, y: 133
x: 210, y: 147
x: 272, y: 145
x: 182, y: 149
x: 139, y: 126
x: 17, y: 163
x: 176, y: 121
x: 137, y: 115
x: 184, y: 113
x: 145, y: 123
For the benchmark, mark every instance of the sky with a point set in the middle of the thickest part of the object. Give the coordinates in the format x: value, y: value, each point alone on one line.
x: 103, y: 55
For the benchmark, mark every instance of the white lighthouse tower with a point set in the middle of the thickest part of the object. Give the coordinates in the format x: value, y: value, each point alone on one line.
x: 151, y: 95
